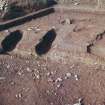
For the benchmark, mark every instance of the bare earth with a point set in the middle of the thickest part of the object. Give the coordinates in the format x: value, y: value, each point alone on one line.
x: 73, y: 68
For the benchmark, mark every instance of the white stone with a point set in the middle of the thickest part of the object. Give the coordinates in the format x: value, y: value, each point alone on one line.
x: 38, y: 76
x: 68, y: 75
x: 19, y: 73
x: 67, y: 21
x: 2, y: 78
x: 76, y: 3
x: 58, y: 80
x: 79, y: 102
x: 28, y: 69
x: 8, y: 66
x: 76, y: 77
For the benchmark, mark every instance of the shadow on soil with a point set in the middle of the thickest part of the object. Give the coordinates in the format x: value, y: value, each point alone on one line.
x: 10, y: 42
x: 46, y: 42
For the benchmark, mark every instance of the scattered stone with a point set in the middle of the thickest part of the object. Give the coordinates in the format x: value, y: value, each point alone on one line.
x: 76, y: 77
x: 39, y: 65
x: 51, y: 73
x: 28, y: 69
x: 53, y: 27
x: 68, y: 21
x: 27, y: 61
x: 79, y: 102
x: 7, y: 31
x: 59, y: 85
x: 58, y: 80
x: 38, y: 29
x: 55, y: 93
x: 8, y: 66
x: 29, y: 29
x: 72, y: 66
x: 47, y: 91
x: 18, y: 95
x: 51, y: 103
x: 68, y: 75
x: 37, y: 76
x: 2, y: 78
x: 12, y: 83
x: 19, y: 73
x: 50, y: 80
x: 48, y: 74
x: 76, y: 3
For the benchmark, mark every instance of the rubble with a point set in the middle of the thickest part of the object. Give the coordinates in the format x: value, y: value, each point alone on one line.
x: 2, y: 78
x: 37, y: 76
x: 8, y: 66
x: 50, y: 80
x: 18, y: 95
x: 12, y: 83
x: 68, y: 75
x: 28, y: 69
x: 67, y: 21
x: 35, y: 29
x: 58, y: 80
x: 59, y: 85
x: 79, y: 102
x: 76, y: 77
x: 76, y: 3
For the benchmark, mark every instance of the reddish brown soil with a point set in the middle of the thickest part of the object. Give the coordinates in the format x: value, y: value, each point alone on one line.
x: 34, y: 80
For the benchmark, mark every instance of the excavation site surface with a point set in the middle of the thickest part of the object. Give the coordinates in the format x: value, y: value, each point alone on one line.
x: 56, y: 59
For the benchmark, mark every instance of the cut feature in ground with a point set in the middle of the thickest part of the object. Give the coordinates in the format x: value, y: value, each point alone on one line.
x: 9, y: 43
x: 46, y: 42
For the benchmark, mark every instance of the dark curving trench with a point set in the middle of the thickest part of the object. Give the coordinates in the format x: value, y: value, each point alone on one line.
x: 46, y: 42
x: 9, y: 42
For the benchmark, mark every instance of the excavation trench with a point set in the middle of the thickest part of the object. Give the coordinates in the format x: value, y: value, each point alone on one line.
x: 97, y: 44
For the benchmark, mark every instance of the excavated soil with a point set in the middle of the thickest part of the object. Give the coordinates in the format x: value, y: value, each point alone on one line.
x: 54, y: 66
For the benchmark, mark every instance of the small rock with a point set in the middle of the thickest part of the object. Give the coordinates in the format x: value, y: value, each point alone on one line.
x: 76, y: 77
x: 38, y: 76
x: 12, y: 83
x: 38, y: 29
x: 48, y: 74
x: 28, y: 69
x: 67, y: 21
x: 50, y: 80
x: 58, y: 80
x: 68, y: 75
x: 76, y: 3
x: 29, y: 29
x: 59, y: 85
x: 8, y: 66
x: 79, y: 102
x: 48, y: 92
x: 7, y: 31
x: 19, y: 73
x: 2, y: 78
x: 51, y: 103
x: 18, y: 95
x: 27, y: 61
x: 72, y: 66
x: 53, y: 27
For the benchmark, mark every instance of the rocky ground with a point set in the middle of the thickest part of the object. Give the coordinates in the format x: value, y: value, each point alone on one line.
x: 70, y: 72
